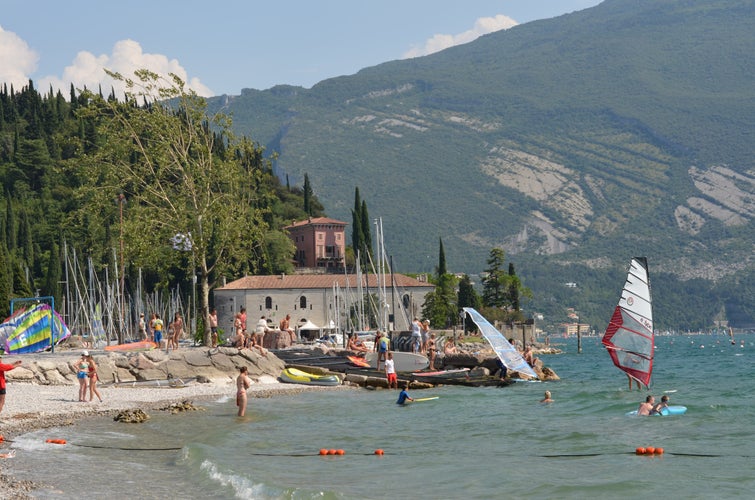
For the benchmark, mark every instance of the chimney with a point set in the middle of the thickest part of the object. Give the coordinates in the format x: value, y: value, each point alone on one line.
x: 283, y: 275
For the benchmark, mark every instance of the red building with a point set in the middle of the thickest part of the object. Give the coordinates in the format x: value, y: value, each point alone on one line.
x: 320, y: 243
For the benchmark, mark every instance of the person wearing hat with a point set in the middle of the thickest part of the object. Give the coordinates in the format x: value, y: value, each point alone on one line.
x: 5, y: 368
x: 142, y: 327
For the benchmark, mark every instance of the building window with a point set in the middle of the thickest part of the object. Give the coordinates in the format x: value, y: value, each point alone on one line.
x: 268, y: 302
x: 302, y: 302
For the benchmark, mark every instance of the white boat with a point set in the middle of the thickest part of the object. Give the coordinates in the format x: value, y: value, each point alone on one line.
x: 629, y: 335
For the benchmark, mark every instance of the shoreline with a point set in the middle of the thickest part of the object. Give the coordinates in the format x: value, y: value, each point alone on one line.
x: 30, y: 406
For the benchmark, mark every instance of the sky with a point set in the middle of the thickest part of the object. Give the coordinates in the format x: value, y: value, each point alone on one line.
x: 224, y: 46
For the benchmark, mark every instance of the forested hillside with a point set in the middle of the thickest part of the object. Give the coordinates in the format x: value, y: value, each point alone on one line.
x: 573, y: 143
x: 50, y: 162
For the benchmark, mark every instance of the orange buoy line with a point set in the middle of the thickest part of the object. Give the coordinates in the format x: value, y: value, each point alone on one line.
x: 648, y: 450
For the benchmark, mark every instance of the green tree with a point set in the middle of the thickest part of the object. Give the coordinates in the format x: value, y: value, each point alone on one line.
x: 307, y: 195
x: 53, y: 275
x: 187, y: 206
x: 440, y: 305
x: 468, y: 297
x: 495, y: 291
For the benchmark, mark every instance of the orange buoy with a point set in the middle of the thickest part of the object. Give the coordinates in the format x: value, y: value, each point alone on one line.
x: 340, y: 452
x: 659, y: 451
x: 650, y: 450
x: 331, y: 452
x: 56, y: 441
x: 379, y: 452
x: 640, y: 451
x: 323, y: 451
x: 1, y: 438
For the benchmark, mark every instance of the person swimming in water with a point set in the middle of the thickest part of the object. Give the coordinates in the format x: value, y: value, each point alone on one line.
x: 645, y: 408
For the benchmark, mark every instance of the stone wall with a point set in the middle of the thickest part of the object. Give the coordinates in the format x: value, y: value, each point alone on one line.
x: 209, y: 363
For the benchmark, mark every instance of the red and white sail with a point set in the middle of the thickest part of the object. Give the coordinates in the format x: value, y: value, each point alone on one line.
x: 629, y: 335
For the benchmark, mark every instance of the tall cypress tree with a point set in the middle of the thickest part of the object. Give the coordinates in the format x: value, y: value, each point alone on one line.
x: 366, y: 235
x: 307, y: 195
x: 54, y: 274
x: 441, y: 258
x: 513, y: 288
x: 10, y: 224
x: 495, y: 288
x: 357, y: 236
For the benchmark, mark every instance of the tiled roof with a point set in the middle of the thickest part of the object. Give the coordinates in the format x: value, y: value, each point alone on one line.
x: 318, y: 220
x: 318, y: 281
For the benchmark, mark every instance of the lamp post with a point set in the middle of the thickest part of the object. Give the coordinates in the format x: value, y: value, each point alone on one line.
x: 121, y: 200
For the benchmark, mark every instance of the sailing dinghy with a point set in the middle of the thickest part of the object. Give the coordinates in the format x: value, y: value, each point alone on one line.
x: 629, y: 335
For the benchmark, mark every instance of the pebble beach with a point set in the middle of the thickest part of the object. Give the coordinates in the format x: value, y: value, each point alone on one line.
x: 30, y: 406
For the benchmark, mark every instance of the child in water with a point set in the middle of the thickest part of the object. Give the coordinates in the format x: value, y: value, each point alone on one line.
x: 404, y: 395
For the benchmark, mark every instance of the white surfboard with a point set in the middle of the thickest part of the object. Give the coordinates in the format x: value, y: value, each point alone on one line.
x: 403, y: 361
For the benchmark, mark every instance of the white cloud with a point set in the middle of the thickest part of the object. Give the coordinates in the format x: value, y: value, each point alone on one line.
x: 17, y: 60
x: 482, y: 26
x: 127, y: 56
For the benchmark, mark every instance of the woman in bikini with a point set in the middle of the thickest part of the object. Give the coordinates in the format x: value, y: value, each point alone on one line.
x: 82, y: 369
x: 92, y: 374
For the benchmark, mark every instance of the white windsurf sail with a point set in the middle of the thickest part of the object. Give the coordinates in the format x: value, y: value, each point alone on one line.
x: 503, y: 349
x: 629, y: 335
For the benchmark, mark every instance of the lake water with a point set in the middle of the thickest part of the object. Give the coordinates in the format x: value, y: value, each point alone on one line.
x: 470, y: 443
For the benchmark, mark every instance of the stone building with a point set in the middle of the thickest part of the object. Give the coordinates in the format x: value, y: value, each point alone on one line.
x: 320, y: 243
x: 322, y: 299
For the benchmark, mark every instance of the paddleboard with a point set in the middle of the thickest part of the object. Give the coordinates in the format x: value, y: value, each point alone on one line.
x: 426, y: 399
x: 360, y: 362
x: 402, y: 361
x: 671, y: 410
x: 144, y: 345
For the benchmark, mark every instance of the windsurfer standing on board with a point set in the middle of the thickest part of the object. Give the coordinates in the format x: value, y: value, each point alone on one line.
x: 635, y: 380
x: 646, y: 407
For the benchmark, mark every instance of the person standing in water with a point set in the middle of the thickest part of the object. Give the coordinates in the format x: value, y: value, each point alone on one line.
x: 243, y: 383
x: 403, y: 396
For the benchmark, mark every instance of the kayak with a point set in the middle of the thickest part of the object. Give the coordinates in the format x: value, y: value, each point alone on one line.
x: 296, y: 376
x: 357, y: 361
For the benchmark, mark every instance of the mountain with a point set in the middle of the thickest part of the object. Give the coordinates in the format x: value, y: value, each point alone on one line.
x: 573, y: 143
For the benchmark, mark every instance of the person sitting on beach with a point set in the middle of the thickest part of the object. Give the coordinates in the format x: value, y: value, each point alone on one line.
x: 5, y: 368
x: 239, y: 339
x: 658, y: 409
x: 243, y: 383
x: 390, y: 372
x: 449, y: 347
x: 529, y: 356
x: 404, y: 395
x: 355, y: 344
x: 645, y: 408
x: 285, y: 326
x: 547, y: 398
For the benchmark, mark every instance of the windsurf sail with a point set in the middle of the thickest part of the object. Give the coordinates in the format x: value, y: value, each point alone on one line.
x: 629, y: 335
x: 508, y: 355
x: 32, y: 330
